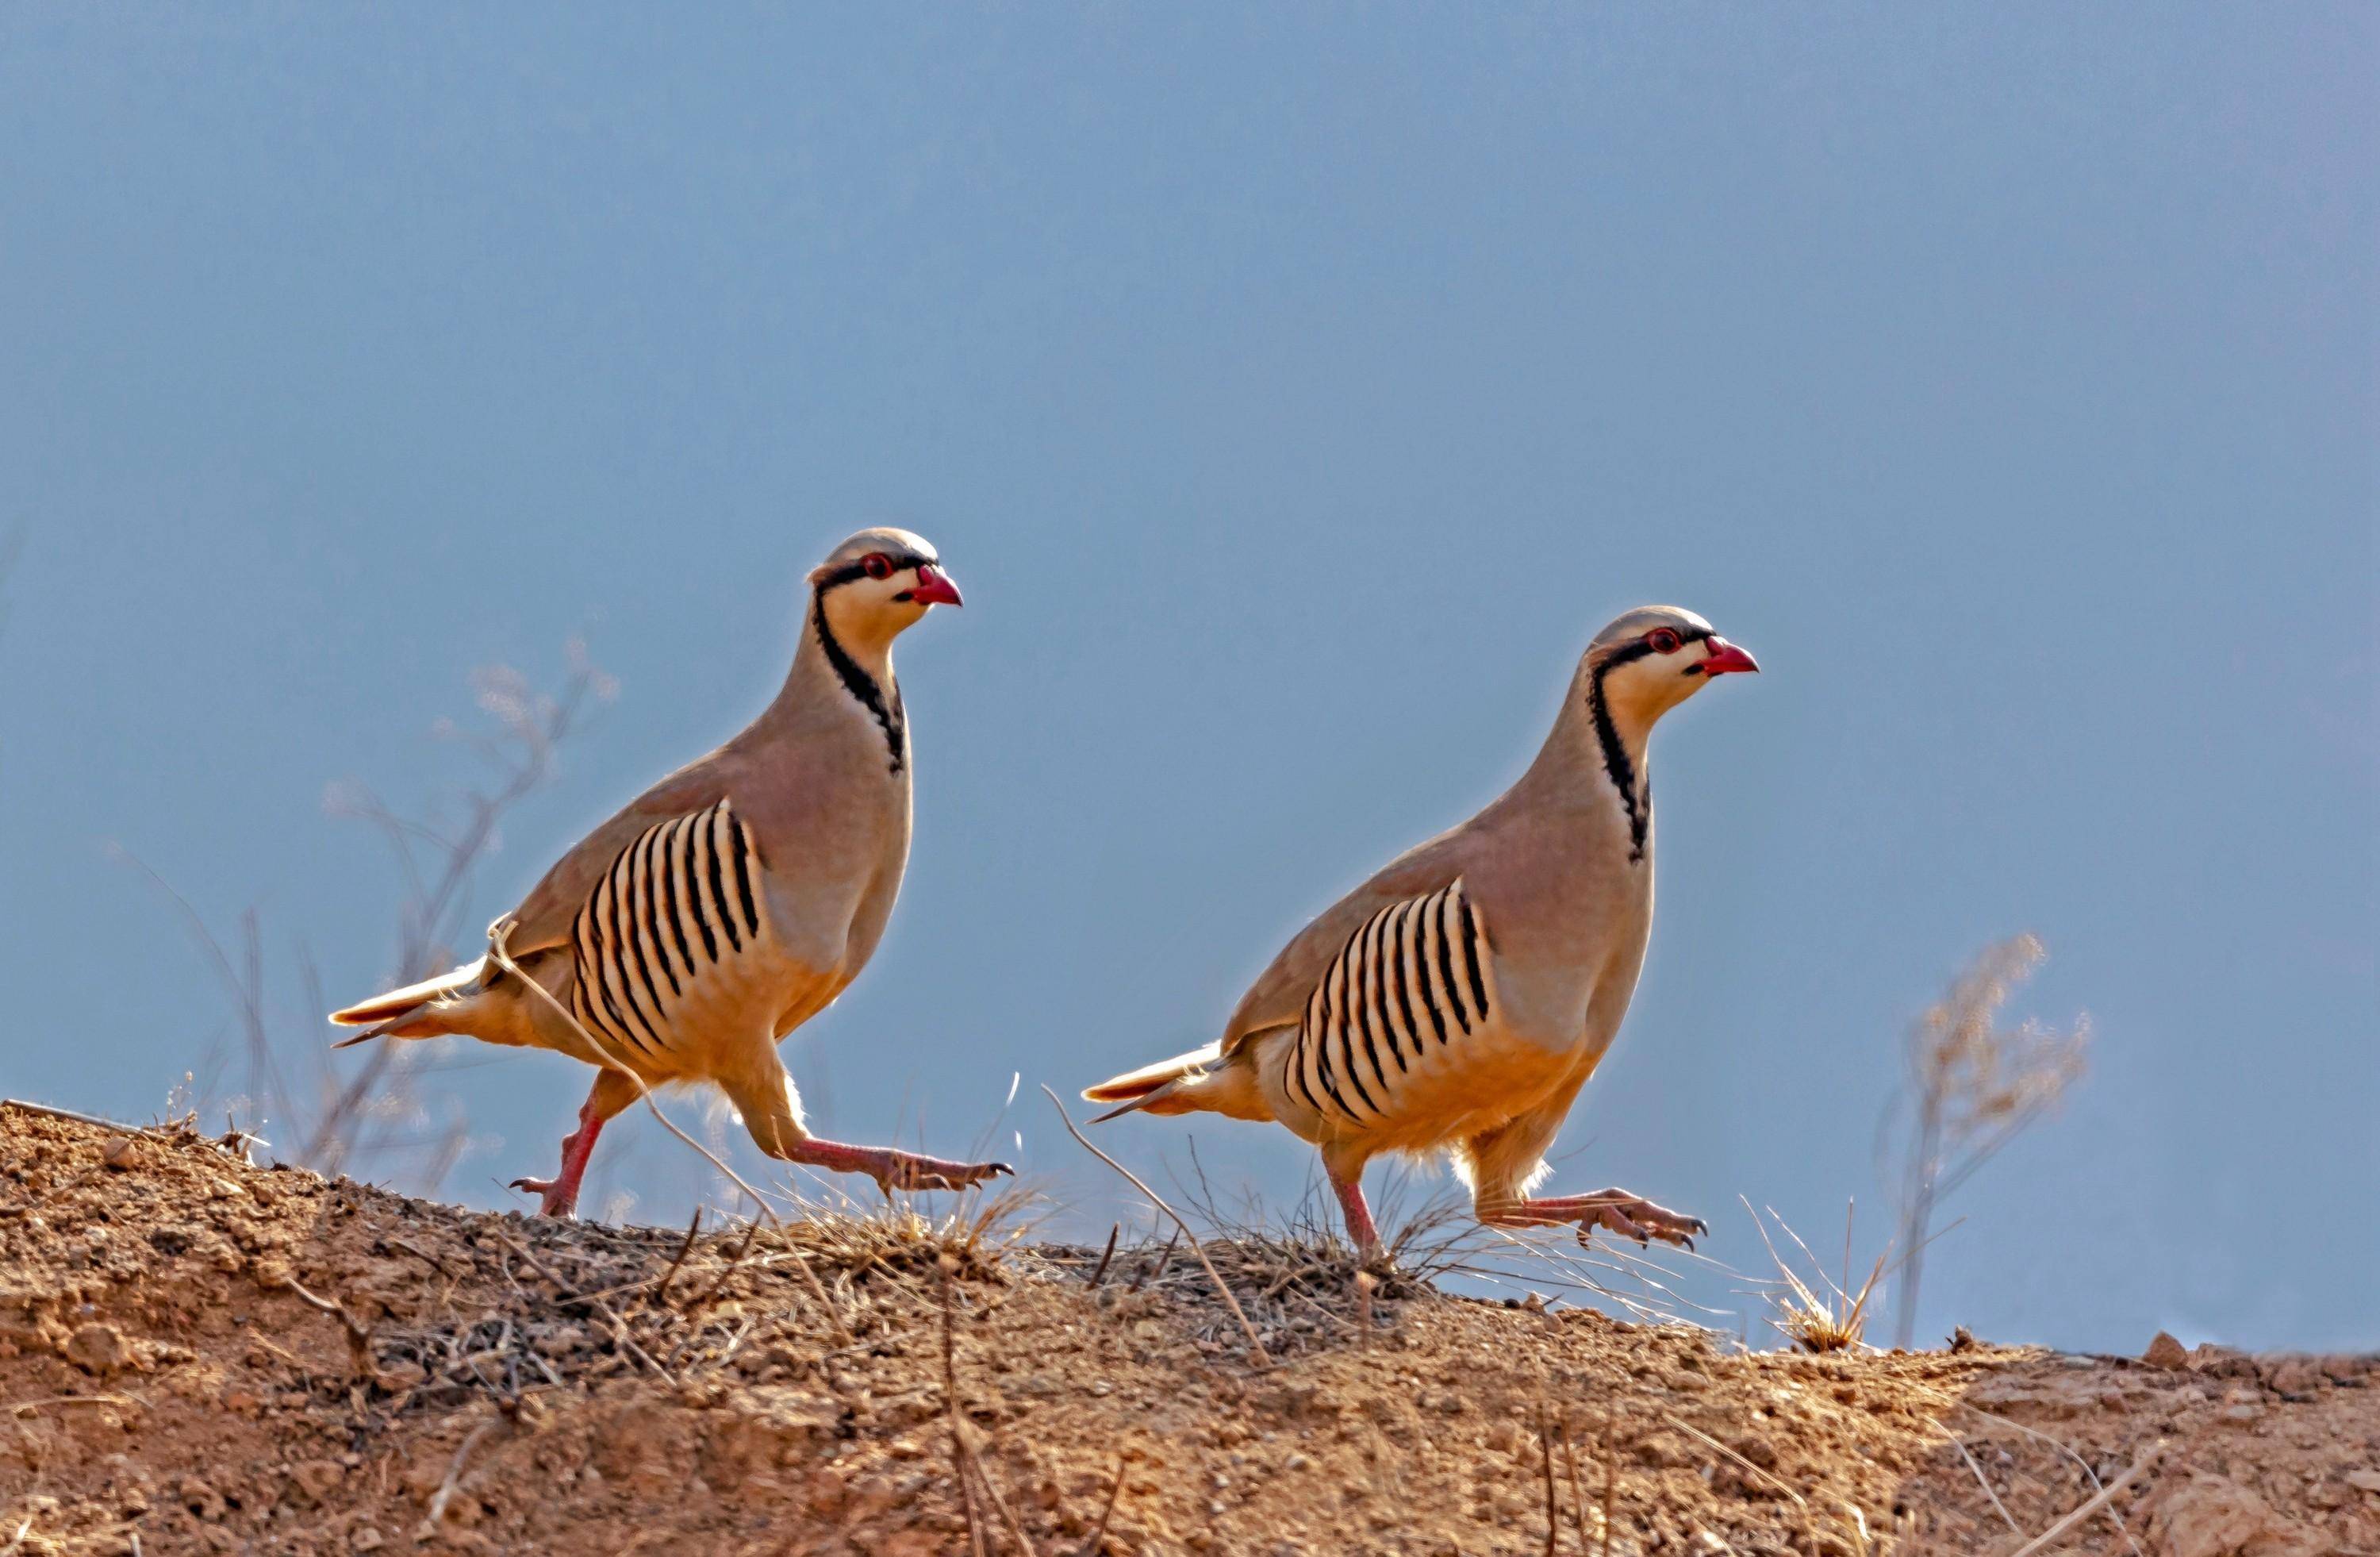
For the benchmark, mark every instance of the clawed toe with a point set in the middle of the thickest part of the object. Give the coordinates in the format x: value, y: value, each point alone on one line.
x: 915, y: 1175
x: 549, y: 1194
x: 1644, y: 1222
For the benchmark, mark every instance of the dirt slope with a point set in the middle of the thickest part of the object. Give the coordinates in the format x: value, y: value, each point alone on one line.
x: 513, y: 1386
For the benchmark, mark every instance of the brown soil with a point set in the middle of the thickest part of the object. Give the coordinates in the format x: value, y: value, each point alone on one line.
x: 197, y: 1355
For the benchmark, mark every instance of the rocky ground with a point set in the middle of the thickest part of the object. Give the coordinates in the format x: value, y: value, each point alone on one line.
x: 198, y: 1355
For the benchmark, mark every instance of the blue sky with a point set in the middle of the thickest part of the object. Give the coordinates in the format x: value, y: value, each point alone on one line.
x: 1294, y: 391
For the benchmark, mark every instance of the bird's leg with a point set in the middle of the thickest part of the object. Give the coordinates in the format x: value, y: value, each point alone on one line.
x: 892, y: 1170
x: 1616, y: 1211
x: 764, y: 1095
x: 1349, y: 1188
x: 611, y: 1093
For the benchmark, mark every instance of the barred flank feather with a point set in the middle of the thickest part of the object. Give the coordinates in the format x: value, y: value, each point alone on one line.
x: 680, y: 900
x: 1413, y: 977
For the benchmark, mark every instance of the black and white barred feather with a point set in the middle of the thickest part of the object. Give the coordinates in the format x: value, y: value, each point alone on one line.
x: 682, y: 899
x: 1412, y: 980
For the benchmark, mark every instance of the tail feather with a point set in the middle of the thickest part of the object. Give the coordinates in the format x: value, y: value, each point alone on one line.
x: 383, y: 1012
x: 1152, y: 1085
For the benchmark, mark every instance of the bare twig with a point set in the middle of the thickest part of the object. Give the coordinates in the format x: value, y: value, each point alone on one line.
x: 1553, y: 1505
x: 2066, y: 1449
x: 661, y: 1293
x: 358, y: 1334
x: 1611, y: 1484
x: 1577, y: 1491
x: 1105, y: 1255
x: 751, y: 1231
x: 1100, y: 1531
x: 958, y: 1428
x: 1686, y: 1427
x: 1156, y: 1266
x: 2005, y: 1517
x: 2058, y: 1532
x: 962, y: 1450
x: 1255, y: 1346
x: 46, y: 1111
x: 454, y: 1476
x: 826, y: 1299
x: 619, y: 1326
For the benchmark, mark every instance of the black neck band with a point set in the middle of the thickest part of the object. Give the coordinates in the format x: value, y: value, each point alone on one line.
x: 861, y: 684
x: 1616, y: 762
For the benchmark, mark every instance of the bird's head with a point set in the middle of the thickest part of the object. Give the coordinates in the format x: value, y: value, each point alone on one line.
x: 1650, y: 660
x: 878, y: 583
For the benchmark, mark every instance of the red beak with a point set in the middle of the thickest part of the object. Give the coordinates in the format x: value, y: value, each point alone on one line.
x: 934, y: 587
x: 1726, y: 657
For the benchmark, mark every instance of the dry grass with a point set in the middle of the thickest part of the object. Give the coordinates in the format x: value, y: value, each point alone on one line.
x: 1829, y: 1316
x: 1973, y: 1086
x: 380, y: 1114
x: 973, y: 1242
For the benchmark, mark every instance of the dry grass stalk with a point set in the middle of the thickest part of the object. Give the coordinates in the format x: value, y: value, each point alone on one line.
x: 2057, y: 1533
x: 2062, y: 1447
x: 1981, y: 1480
x: 1833, y: 1320
x: 454, y: 1478
x: 1741, y: 1463
x: 962, y: 1450
x: 1255, y: 1346
x: 1973, y: 1086
x: 359, y: 1346
x: 1100, y: 1531
x: 1545, y: 1454
x: 693, y: 1228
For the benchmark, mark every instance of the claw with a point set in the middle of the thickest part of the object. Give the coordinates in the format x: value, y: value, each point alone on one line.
x: 550, y: 1192
x: 913, y: 1175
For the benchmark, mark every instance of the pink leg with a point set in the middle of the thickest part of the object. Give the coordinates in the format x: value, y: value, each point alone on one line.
x: 892, y: 1170
x: 611, y: 1093
x: 1349, y: 1188
x: 1616, y: 1211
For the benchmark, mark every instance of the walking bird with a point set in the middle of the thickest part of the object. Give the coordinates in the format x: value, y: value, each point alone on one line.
x: 1460, y: 998
x: 728, y: 904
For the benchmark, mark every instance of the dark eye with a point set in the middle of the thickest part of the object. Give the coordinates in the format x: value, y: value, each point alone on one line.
x: 1662, y: 640
x: 876, y: 564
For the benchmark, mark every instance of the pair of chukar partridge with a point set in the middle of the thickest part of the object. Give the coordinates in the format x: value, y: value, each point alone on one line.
x: 1459, y: 999
x: 728, y: 904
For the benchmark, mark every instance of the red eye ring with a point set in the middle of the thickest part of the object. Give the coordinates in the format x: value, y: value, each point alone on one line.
x: 1663, y: 641
x: 875, y: 565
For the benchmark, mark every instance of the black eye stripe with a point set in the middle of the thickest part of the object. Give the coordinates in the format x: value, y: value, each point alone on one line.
x: 839, y: 576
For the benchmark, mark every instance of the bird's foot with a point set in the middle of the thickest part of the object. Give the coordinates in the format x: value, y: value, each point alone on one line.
x: 1614, y: 1210
x: 560, y: 1198
x: 908, y: 1170
x: 1633, y: 1216
x: 895, y: 1170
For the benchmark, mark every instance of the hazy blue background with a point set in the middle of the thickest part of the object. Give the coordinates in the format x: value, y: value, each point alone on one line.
x: 1294, y: 391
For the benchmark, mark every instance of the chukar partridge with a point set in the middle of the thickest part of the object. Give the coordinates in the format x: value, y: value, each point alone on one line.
x: 728, y: 904
x: 1460, y: 998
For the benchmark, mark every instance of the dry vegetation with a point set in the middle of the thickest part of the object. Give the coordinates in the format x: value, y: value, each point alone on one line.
x: 384, y: 1116
x: 1973, y: 1086
x: 199, y: 1355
